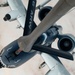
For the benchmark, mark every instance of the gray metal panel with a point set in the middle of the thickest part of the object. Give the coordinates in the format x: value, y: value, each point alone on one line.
x: 10, y: 60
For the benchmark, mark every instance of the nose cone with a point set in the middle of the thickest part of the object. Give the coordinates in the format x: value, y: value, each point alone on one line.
x: 7, y: 17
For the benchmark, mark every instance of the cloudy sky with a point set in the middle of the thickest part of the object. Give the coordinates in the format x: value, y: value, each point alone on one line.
x: 9, y: 32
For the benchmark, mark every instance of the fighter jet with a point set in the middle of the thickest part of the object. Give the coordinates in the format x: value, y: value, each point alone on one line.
x: 39, y: 38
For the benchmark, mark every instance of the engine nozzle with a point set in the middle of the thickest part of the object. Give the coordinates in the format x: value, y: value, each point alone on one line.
x: 7, y: 17
x: 43, y: 12
x: 66, y: 43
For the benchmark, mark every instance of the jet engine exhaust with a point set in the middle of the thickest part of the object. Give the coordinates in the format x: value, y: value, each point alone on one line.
x: 7, y: 17
x: 43, y: 12
x: 66, y: 43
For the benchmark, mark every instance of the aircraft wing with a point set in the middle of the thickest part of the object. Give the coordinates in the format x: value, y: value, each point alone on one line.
x: 56, y: 67
x: 18, y: 6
